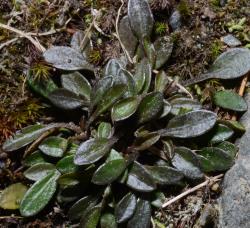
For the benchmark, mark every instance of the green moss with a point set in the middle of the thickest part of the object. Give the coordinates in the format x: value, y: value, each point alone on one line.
x: 184, y: 8
x: 160, y: 28
x: 95, y: 56
x: 215, y: 49
x: 215, y: 3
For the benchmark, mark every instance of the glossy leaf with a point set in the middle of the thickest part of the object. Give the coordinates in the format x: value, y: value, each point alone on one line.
x: 140, y: 18
x: 127, y: 37
x: 34, y: 158
x: 39, y: 195
x: 125, y: 208
x: 139, y: 179
x: 190, y: 125
x: 76, y: 43
x: 146, y: 141
x: 91, y: 151
x: 214, y: 159
x: 187, y: 162
x: 43, y: 87
x: 66, y: 58
x: 184, y: 103
x: 125, y: 77
x: 150, y: 107
x: 124, y: 108
x: 26, y: 136
x: 144, y: 70
x: 76, y: 83
x: 69, y: 180
x: 54, y: 146
x: 114, y: 155
x: 65, y: 99
x: 91, y: 217
x: 82, y: 205
x: 165, y: 175
x: 104, y: 130
x: 11, y: 196
x: 231, y: 64
x: 66, y: 164
x: 109, y: 171
x: 142, y: 215
x: 39, y: 171
x: 158, y: 199
x: 100, y: 89
x: 108, y: 221
x: 230, y: 100
x: 166, y: 109
x: 235, y: 125
x: 164, y: 48
x: 228, y: 148
x: 221, y: 133
x: 161, y: 81
x: 112, y: 68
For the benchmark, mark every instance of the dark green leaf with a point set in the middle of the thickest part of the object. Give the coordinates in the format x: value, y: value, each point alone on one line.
x: 92, y: 150
x: 65, y: 99
x: 124, y: 108
x: 139, y: 179
x: 104, y: 130
x: 158, y: 199
x: 39, y: 195
x: 11, y: 196
x: 69, y: 180
x: 142, y: 75
x: 228, y: 148
x: 66, y: 58
x: 214, y: 159
x: 165, y: 175
x: 150, y: 52
x: 230, y: 100
x: 82, y: 205
x: 125, y: 208
x: 146, y: 141
x: 108, y: 221
x: 235, y: 125
x: 100, y: 89
x: 66, y: 164
x: 109, y: 171
x: 184, y: 103
x: 114, y: 155
x: 76, y: 83
x: 161, y: 81
x: 187, y: 162
x: 125, y: 77
x: 150, y: 107
x: 164, y: 48
x: 91, y: 217
x: 34, y: 158
x: 54, y: 146
x: 142, y: 215
x: 127, y: 37
x: 26, y: 136
x: 140, y: 18
x: 221, y: 133
x: 42, y: 87
x: 39, y: 171
x: 190, y: 125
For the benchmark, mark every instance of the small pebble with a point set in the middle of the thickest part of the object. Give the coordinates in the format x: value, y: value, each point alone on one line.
x: 175, y: 20
x: 231, y: 41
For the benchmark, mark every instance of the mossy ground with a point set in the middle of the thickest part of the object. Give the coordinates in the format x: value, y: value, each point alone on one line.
x: 197, y: 44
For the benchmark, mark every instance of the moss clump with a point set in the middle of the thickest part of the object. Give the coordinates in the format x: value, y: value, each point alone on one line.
x: 216, y: 49
x: 95, y: 56
x: 184, y: 8
x: 161, y: 28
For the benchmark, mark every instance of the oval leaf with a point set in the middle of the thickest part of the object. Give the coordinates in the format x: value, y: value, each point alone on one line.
x: 26, y: 136
x: 39, y: 195
x: 66, y: 165
x: 108, y: 221
x: 190, y: 125
x: 54, y: 146
x: 142, y: 215
x: 139, y: 179
x: 150, y: 107
x: 66, y: 58
x: 187, y: 162
x: 161, y: 81
x: 125, y: 208
x: 221, y: 133
x: 104, y: 130
x: 34, y: 158
x: 230, y: 100
x: 65, y: 99
x: 76, y: 83
x: 165, y: 175
x: 39, y: 171
x: 146, y: 141
x: 91, y: 151
x: 11, y: 196
x: 228, y: 148
x: 112, y: 68
x: 140, y: 18
x: 124, y: 108
x: 126, y: 78
x: 91, y: 217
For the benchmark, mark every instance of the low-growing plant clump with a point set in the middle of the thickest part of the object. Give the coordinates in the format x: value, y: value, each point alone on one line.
x: 140, y: 131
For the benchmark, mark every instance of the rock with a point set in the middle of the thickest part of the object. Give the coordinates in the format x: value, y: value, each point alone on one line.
x: 223, y: 2
x: 231, y: 41
x: 234, y: 203
x: 175, y: 20
x: 207, y: 216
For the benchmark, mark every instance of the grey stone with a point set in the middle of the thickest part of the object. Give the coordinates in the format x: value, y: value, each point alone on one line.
x: 175, y: 20
x: 234, y: 203
x: 231, y: 41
